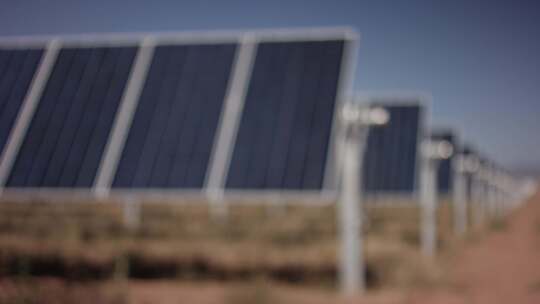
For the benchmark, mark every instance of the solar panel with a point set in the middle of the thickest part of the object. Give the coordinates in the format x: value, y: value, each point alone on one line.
x: 392, y: 155
x: 68, y: 132
x: 236, y: 111
x: 284, y: 132
x: 174, y: 126
x: 445, y: 171
x: 17, y: 69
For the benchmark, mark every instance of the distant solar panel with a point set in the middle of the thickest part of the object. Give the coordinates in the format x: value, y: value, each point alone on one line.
x: 17, y: 69
x: 173, y: 129
x: 392, y: 151
x: 284, y: 132
x: 68, y: 132
x: 467, y: 151
x: 445, y: 172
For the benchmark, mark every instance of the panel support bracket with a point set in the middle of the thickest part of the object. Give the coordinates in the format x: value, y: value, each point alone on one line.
x: 124, y: 116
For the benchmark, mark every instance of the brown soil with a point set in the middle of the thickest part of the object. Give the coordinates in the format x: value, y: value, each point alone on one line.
x: 503, y: 267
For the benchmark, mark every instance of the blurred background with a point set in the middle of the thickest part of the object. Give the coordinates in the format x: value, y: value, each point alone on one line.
x: 462, y: 73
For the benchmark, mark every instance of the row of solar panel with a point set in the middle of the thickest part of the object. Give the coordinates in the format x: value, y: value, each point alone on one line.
x: 281, y: 143
x: 392, y: 156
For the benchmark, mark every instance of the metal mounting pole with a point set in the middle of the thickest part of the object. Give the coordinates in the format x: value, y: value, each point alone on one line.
x: 355, y: 122
x: 131, y: 212
x: 491, y: 189
x: 498, y: 199
x: 352, y: 266
x: 432, y: 153
x: 428, y: 203
x: 460, y: 196
x: 477, y: 195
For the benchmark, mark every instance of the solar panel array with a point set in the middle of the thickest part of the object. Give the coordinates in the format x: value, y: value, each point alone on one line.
x: 74, y: 116
x: 391, y: 157
x: 284, y: 124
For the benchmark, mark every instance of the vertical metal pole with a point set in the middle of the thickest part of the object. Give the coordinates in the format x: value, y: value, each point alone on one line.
x: 507, y: 200
x: 478, y: 198
x: 491, y: 194
x: 459, y: 197
x: 499, y: 200
x: 131, y: 212
x: 428, y: 202
x: 352, y: 267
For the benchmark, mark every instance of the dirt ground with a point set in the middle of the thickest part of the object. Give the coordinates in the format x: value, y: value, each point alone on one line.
x: 500, y: 266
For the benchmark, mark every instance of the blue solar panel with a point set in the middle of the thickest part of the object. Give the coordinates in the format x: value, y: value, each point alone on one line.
x: 174, y: 126
x: 71, y: 125
x: 445, y: 172
x: 277, y: 125
x: 284, y: 132
x: 391, y: 154
x: 17, y: 68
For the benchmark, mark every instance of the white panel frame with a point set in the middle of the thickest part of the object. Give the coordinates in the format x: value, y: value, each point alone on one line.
x: 231, y: 115
x: 345, y: 91
x: 185, y: 37
x: 123, y: 119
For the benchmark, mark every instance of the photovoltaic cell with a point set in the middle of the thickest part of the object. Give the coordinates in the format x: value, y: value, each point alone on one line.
x: 70, y: 128
x: 284, y: 132
x: 445, y: 172
x: 390, y: 158
x: 17, y: 69
x: 174, y: 126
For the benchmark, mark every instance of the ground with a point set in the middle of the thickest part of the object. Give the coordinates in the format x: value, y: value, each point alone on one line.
x: 499, y: 266
x: 63, y: 254
x: 503, y: 267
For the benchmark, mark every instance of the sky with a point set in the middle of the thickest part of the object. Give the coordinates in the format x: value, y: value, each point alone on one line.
x: 478, y: 59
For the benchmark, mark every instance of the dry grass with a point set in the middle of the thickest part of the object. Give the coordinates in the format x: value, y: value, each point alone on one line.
x: 295, y: 245
x: 257, y: 291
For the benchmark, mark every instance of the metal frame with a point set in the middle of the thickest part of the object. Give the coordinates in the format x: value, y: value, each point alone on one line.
x: 229, y: 120
x: 185, y: 37
x: 165, y: 196
x: 123, y: 119
x: 327, y: 193
x: 337, y: 139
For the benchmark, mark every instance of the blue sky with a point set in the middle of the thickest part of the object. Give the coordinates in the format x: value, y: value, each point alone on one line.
x: 479, y: 59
